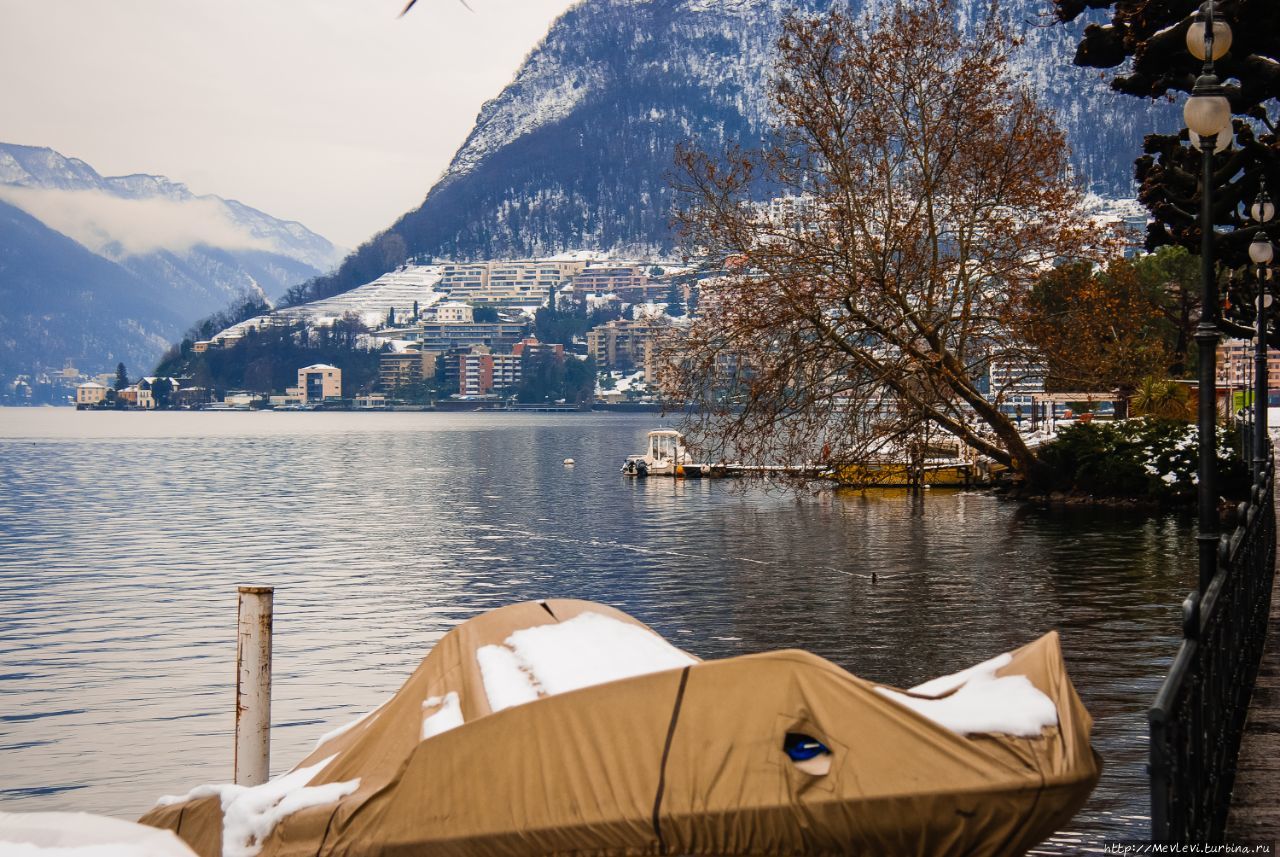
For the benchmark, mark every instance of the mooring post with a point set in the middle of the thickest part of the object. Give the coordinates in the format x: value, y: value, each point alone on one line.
x: 253, y: 685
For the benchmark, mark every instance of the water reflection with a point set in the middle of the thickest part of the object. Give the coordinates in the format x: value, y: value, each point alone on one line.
x: 122, y: 537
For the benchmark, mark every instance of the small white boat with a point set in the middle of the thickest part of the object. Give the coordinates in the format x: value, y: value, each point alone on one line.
x: 665, y: 455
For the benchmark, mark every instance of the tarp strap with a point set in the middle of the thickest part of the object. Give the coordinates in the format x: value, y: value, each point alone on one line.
x: 666, y: 751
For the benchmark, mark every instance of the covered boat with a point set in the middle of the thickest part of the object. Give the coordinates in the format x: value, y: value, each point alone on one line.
x: 567, y: 727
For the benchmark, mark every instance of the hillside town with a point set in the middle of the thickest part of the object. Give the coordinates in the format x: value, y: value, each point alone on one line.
x: 485, y: 334
x: 435, y: 335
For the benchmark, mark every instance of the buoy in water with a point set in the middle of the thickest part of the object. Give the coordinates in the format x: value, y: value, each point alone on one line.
x: 568, y: 462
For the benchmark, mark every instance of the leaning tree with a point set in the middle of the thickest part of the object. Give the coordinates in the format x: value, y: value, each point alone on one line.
x: 917, y: 194
x: 1144, y: 42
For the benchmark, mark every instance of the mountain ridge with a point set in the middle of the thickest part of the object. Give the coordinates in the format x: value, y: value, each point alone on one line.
x: 167, y: 255
x: 575, y: 151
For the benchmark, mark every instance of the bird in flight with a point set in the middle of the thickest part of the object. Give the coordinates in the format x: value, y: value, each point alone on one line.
x: 411, y: 2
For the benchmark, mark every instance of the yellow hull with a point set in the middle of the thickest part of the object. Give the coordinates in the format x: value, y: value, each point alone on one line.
x: 898, y: 475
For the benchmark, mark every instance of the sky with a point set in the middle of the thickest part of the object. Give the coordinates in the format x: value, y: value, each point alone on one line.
x: 334, y: 113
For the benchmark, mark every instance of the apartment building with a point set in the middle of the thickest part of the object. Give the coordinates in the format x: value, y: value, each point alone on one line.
x: 624, y: 344
x: 401, y: 368
x: 1014, y: 384
x: 524, y: 282
x: 316, y: 383
x: 445, y: 336
x: 631, y: 283
x: 1236, y: 364
x: 483, y: 374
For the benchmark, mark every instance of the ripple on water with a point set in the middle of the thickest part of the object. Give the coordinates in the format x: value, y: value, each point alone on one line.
x: 123, y: 536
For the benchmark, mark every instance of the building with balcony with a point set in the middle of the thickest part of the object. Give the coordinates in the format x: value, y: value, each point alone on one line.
x: 524, y: 282
x: 316, y: 383
x: 484, y: 374
x: 628, y: 345
x: 631, y: 283
x: 441, y: 336
x: 1015, y: 384
x: 401, y: 368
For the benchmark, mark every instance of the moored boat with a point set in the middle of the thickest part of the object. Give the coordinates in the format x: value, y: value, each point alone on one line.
x: 665, y: 455
x: 566, y: 727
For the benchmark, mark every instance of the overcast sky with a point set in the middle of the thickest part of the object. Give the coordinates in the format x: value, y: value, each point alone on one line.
x: 331, y: 112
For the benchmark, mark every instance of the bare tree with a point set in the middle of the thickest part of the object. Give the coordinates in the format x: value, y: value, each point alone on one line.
x: 918, y: 194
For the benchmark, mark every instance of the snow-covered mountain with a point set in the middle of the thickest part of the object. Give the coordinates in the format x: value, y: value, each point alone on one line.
x: 205, y: 248
x: 166, y: 254
x: 60, y: 302
x: 575, y: 152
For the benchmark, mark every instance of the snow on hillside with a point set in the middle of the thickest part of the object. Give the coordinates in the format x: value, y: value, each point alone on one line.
x: 400, y: 290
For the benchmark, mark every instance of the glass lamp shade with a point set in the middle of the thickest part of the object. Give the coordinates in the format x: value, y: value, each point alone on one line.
x: 1263, y: 209
x: 1221, y: 38
x: 1207, y: 115
x: 1261, y: 251
x: 1220, y: 144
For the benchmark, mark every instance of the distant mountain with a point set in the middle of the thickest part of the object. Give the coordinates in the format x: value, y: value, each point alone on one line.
x: 60, y: 301
x: 189, y: 255
x: 575, y: 152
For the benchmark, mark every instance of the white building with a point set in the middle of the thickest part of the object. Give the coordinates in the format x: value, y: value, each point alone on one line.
x: 522, y: 282
x: 1014, y: 383
x: 455, y: 312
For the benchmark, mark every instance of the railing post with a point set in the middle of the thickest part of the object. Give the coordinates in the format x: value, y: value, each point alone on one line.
x: 1158, y: 771
x: 253, y: 685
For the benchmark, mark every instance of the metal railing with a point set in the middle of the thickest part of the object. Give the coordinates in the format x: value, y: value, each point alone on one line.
x: 1198, y: 717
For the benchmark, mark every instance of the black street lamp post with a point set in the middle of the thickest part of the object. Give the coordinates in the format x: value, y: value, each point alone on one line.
x: 1207, y: 114
x: 1261, y: 253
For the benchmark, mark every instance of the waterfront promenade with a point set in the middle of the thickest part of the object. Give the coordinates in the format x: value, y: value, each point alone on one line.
x: 1255, y: 800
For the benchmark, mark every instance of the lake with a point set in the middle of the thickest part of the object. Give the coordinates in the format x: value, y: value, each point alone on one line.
x: 123, y: 537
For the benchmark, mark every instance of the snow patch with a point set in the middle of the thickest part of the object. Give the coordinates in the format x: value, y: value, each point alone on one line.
x: 980, y: 702
x: 505, y: 683
x: 115, y: 849
x: 82, y: 834
x: 448, y: 716
x: 250, y: 813
x: 586, y: 650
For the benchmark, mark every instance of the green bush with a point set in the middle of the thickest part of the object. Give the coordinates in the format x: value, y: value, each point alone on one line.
x: 1146, y: 458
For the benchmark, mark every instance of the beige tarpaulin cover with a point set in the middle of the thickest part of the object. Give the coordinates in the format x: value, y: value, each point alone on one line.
x: 685, y: 761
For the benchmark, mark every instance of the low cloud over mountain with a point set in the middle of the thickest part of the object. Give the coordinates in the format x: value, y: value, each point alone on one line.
x: 163, y: 249
x: 118, y: 227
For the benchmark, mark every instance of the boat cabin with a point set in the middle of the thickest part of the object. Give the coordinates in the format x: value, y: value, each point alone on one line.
x: 665, y: 447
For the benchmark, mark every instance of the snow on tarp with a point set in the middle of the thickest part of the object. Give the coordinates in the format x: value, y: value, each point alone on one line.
x: 447, y: 714
x: 505, y: 683
x: 250, y: 813
x: 977, y: 701
x: 586, y: 650
x: 80, y: 834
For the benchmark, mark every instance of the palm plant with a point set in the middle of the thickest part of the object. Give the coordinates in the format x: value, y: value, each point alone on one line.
x: 1163, y: 397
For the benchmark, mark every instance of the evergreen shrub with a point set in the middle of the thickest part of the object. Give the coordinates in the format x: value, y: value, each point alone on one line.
x: 1148, y: 458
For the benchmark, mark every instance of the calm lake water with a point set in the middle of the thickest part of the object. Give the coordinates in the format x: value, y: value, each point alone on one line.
x: 124, y: 535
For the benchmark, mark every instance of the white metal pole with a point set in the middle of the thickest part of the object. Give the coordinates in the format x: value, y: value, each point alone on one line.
x: 253, y: 685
